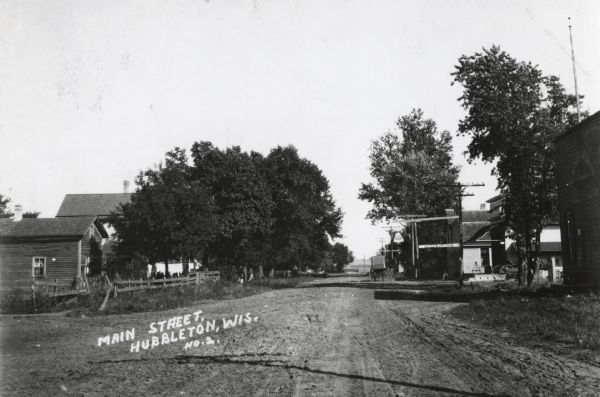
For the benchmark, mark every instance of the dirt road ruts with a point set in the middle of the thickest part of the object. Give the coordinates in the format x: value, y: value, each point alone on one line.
x: 312, y: 341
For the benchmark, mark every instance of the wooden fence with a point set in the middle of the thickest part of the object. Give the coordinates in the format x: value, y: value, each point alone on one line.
x: 60, y: 287
x: 138, y: 285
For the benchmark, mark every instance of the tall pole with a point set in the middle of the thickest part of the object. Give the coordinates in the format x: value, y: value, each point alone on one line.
x: 460, y: 234
x: 460, y: 220
x: 412, y: 247
x: 574, y: 73
x: 417, y: 251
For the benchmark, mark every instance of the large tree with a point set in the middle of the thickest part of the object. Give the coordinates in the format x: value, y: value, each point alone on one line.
x: 514, y: 113
x: 170, y: 216
x: 413, y: 174
x: 243, y: 203
x: 305, y: 215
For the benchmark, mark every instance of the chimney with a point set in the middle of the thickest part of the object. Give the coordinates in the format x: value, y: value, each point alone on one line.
x: 18, y: 213
x: 125, y: 186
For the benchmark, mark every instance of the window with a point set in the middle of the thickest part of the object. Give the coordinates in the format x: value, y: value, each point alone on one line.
x: 38, y: 266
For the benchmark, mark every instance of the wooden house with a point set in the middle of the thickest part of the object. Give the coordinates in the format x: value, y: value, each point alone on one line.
x: 578, y: 174
x: 46, y: 249
x: 483, y: 243
x: 98, y: 205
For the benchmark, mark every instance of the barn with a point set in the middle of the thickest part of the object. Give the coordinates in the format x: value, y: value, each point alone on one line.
x: 578, y: 172
x: 46, y: 249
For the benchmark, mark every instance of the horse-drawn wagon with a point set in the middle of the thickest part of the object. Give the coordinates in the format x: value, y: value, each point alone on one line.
x: 378, y: 267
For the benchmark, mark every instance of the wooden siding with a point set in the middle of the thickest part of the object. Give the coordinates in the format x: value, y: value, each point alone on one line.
x: 578, y: 160
x: 85, y: 243
x: 16, y: 262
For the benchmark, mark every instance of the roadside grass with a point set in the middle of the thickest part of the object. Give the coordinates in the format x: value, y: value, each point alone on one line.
x: 567, y: 324
x: 472, y: 288
x: 142, y: 301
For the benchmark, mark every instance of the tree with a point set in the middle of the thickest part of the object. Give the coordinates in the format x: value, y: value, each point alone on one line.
x: 170, y: 215
x: 5, y: 212
x: 514, y: 113
x: 305, y: 215
x: 31, y: 214
x: 243, y: 204
x: 341, y: 256
x: 95, y: 266
x: 413, y: 174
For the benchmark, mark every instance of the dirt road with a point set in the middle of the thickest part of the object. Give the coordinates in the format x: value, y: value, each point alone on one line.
x: 311, y: 341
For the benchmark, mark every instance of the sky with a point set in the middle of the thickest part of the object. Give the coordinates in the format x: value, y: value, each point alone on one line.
x: 92, y: 92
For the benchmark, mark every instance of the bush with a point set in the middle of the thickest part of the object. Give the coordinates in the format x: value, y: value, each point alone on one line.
x: 20, y: 302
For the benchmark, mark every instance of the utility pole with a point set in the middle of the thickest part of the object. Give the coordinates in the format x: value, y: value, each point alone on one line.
x: 462, y: 194
x: 414, y: 246
x: 574, y: 73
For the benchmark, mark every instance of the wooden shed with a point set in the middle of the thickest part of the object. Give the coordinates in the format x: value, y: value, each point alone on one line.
x: 46, y: 249
x: 578, y: 170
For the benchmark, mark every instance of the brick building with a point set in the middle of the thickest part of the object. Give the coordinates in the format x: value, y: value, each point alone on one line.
x: 578, y: 169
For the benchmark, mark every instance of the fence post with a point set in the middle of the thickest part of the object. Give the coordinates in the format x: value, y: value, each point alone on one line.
x: 108, y: 289
x: 55, y: 282
x: 33, y: 296
x: 197, y: 278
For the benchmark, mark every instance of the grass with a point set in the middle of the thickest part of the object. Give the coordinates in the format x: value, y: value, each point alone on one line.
x: 562, y: 323
x: 143, y: 301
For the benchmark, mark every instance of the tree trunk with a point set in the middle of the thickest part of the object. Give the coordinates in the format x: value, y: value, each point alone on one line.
x: 245, y: 273
x: 260, y: 272
x: 521, y: 267
x: 532, y: 261
x: 205, y: 260
x: 185, y: 266
x: 166, y: 268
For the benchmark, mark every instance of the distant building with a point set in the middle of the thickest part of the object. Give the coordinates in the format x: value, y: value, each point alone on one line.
x: 578, y: 171
x: 505, y: 250
x: 46, y: 248
x: 550, y: 257
x: 483, y: 242
x: 99, y: 205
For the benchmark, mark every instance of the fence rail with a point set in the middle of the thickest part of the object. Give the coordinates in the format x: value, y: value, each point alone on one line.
x: 138, y: 285
x: 61, y: 287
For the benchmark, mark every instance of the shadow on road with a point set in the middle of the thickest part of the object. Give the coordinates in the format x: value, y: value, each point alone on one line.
x: 239, y: 359
x: 379, y: 285
x: 434, y: 297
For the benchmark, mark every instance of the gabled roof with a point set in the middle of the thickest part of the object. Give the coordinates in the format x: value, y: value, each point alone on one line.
x: 495, y: 198
x: 473, y: 231
x: 100, y: 204
x: 49, y: 227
